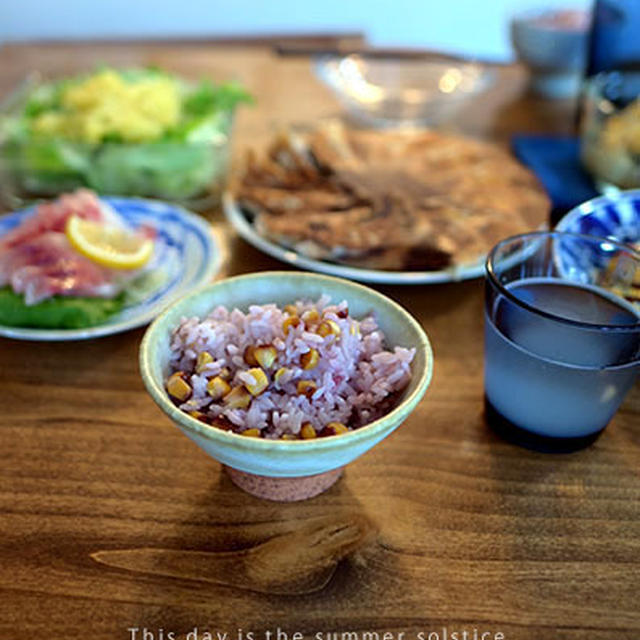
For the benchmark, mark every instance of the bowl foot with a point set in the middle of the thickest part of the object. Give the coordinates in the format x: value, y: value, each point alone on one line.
x: 284, y: 489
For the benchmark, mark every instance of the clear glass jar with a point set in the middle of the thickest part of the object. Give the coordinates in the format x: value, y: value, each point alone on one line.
x: 610, y: 129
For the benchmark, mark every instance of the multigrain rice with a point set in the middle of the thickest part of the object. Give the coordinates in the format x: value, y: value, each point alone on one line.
x: 356, y: 378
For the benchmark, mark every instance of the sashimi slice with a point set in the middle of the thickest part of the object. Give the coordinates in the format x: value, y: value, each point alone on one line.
x: 37, y: 260
x: 52, y: 216
x: 48, y: 266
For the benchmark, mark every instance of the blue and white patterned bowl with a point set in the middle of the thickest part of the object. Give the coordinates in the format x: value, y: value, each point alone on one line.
x: 611, y: 217
x: 615, y: 216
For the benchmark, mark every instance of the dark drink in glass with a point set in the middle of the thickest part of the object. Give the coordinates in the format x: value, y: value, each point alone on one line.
x: 561, y: 349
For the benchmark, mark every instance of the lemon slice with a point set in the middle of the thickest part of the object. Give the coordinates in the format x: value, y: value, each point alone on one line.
x: 108, y: 245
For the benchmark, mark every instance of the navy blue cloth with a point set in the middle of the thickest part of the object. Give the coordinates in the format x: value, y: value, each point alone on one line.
x: 556, y: 162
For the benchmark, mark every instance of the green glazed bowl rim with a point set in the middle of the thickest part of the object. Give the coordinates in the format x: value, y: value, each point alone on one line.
x: 394, y: 417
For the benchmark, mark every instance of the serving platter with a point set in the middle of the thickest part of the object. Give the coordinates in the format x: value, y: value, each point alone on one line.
x: 241, y: 221
x: 186, y: 254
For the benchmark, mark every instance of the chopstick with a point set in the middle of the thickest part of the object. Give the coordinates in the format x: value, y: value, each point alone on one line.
x: 304, y: 50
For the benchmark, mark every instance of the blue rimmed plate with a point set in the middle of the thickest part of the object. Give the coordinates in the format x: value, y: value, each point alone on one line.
x: 247, y: 231
x: 186, y: 256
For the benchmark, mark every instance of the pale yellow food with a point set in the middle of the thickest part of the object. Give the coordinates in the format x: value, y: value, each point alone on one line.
x: 109, y: 246
x: 105, y: 104
x: 611, y: 152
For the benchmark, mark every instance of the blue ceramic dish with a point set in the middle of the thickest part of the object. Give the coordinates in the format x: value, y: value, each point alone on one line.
x: 614, y: 216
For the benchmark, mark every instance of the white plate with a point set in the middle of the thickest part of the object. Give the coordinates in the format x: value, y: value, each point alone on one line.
x: 243, y: 225
x: 185, y: 250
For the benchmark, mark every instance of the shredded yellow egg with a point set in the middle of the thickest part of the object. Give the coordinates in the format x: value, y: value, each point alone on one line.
x: 106, y: 104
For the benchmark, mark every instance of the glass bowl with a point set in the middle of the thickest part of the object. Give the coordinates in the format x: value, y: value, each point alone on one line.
x: 610, y: 129
x: 191, y: 173
x: 401, y: 91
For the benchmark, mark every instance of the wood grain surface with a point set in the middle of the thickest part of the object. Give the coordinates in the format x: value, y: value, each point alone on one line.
x: 112, y: 520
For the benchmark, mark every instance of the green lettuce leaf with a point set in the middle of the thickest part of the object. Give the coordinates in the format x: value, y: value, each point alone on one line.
x: 208, y: 98
x: 58, y: 312
x: 167, y: 170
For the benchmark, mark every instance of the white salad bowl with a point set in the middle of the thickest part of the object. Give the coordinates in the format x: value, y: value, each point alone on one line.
x: 286, y: 469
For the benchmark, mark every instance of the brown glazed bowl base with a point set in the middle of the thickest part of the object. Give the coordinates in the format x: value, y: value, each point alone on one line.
x: 284, y: 489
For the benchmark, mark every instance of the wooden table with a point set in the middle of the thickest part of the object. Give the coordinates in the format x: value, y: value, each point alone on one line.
x: 465, y: 531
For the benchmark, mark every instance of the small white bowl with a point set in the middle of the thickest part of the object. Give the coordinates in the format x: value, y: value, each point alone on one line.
x: 553, y: 44
x: 277, y: 469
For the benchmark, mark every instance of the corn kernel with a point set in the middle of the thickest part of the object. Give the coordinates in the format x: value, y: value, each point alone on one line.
x: 225, y: 373
x: 204, y: 358
x: 291, y: 309
x: 217, y: 388
x: 311, y: 316
x: 328, y: 328
x: 265, y: 356
x: 178, y: 387
x: 336, y: 428
x: 250, y: 356
x: 237, y: 398
x: 310, y: 359
x: 306, y: 387
x: 291, y: 321
x: 307, y: 432
x: 251, y: 433
x: 288, y: 436
x: 261, y: 381
x: 278, y: 374
x: 202, y: 417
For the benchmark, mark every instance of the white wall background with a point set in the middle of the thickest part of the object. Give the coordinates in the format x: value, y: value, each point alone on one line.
x: 473, y: 27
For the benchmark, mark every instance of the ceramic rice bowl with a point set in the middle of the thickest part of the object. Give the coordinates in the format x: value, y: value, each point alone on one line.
x: 286, y: 469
